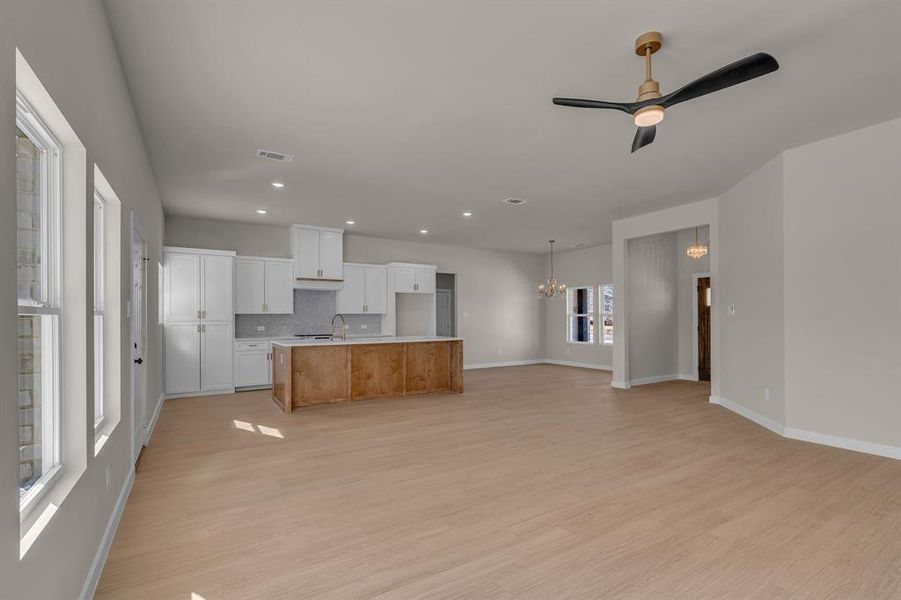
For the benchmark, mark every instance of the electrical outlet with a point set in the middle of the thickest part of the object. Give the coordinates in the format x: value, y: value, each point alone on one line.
x: 107, y: 478
x: 364, y: 326
x: 499, y: 351
x: 567, y: 350
x: 261, y: 328
x: 731, y: 310
x: 766, y: 393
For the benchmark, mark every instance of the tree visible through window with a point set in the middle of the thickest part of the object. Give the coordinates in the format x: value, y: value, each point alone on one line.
x: 606, y: 314
x: 580, y: 315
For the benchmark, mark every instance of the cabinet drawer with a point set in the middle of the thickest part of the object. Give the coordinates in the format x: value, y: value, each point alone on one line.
x: 252, y: 346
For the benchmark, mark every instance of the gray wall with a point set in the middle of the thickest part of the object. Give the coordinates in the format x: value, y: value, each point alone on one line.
x: 843, y: 285
x: 687, y: 267
x: 498, y: 314
x: 575, y: 268
x: 751, y: 278
x: 653, y: 307
x: 70, y: 47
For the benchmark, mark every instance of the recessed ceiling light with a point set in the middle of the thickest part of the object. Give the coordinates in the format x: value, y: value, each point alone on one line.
x: 579, y: 245
x: 423, y: 231
x: 514, y: 201
x: 278, y: 184
x: 467, y: 213
x: 262, y: 211
x: 350, y: 222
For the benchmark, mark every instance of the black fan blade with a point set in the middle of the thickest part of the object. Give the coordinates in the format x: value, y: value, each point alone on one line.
x: 740, y: 71
x: 623, y: 106
x: 643, y: 137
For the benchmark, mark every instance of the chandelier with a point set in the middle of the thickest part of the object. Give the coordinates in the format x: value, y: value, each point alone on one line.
x: 550, y: 288
x: 696, y: 250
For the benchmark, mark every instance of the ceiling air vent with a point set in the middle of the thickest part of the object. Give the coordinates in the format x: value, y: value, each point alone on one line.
x: 270, y: 155
x: 514, y: 201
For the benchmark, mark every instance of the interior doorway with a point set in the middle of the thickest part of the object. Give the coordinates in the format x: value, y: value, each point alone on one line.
x: 445, y: 301
x: 138, y: 314
x: 702, y: 334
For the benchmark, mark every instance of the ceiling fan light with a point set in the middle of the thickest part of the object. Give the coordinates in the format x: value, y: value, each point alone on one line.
x: 649, y: 115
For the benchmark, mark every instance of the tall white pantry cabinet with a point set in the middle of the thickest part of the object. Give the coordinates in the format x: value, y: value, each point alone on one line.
x: 198, y: 320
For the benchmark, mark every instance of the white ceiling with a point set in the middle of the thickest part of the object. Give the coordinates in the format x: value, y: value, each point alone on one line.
x: 401, y: 115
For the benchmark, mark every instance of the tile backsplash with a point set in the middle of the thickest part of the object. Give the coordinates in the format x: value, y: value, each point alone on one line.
x: 313, y: 312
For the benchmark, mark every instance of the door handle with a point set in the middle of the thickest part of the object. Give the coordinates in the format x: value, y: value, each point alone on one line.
x: 139, y: 361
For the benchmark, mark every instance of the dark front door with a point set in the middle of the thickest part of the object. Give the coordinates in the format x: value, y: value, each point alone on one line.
x: 704, y: 328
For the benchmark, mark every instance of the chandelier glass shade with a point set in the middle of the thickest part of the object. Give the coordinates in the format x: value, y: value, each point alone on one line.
x: 696, y: 250
x: 550, y: 288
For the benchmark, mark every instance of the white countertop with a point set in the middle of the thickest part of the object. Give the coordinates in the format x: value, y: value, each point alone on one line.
x: 363, y: 340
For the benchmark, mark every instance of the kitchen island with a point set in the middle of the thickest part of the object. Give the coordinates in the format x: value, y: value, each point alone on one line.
x: 309, y: 372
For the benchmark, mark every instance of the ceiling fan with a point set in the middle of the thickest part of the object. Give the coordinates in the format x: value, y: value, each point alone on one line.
x: 650, y: 106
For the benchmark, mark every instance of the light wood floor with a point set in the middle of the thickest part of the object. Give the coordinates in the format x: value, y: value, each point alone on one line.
x: 539, y: 482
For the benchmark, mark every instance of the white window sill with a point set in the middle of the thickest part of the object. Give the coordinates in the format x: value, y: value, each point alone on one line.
x: 102, y: 432
x: 581, y: 343
x: 38, y: 512
x: 606, y: 343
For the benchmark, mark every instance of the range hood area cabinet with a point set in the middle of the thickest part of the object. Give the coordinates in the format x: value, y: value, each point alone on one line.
x: 318, y: 257
x: 264, y: 286
x: 198, y: 320
x: 414, y: 279
x: 365, y: 289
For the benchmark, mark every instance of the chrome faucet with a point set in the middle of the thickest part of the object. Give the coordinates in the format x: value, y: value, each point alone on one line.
x: 343, y: 334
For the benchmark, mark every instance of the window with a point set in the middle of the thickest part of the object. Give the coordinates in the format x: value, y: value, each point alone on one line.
x: 580, y: 315
x: 99, y: 287
x: 38, y: 281
x: 606, y: 314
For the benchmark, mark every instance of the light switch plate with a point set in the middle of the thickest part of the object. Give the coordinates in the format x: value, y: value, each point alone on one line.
x: 731, y: 310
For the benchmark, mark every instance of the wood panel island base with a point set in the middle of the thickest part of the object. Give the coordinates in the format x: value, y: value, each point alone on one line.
x: 308, y: 373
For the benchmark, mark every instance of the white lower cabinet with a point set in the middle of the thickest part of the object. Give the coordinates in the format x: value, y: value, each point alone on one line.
x: 182, y: 357
x: 253, y: 364
x: 215, y: 357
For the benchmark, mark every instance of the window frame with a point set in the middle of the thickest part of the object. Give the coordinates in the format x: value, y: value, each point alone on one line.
x: 602, y: 312
x: 99, y: 320
x: 570, y: 315
x: 49, y: 305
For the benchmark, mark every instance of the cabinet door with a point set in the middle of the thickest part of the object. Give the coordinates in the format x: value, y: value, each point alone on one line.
x: 182, y: 344
x: 425, y: 281
x: 216, y: 354
x: 350, y: 296
x: 404, y: 278
x: 279, y: 287
x: 250, y: 281
x: 376, y: 289
x: 217, y: 289
x: 181, y: 291
x: 331, y: 255
x: 306, y: 253
x: 251, y: 368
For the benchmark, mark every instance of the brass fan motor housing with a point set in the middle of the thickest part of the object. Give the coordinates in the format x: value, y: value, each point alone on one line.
x: 648, y: 89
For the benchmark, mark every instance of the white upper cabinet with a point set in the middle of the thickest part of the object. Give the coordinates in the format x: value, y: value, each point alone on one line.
x: 216, y: 287
x: 375, y: 287
x: 365, y: 290
x: 263, y: 286
x: 250, y: 285
x: 425, y: 281
x: 280, y: 287
x: 318, y: 253
x: 350, y: 297
x: 411, y: 279
x: 182, y: 287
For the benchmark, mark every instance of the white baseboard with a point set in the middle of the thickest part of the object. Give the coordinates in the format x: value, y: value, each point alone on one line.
x: 195, y: 394
x: 688, y: 377
x: 749, y: 414
x: 814, y: 437
x: 153, y: 419
x: 655, y: 379
x: 842, y: 442
x: 492, y: 365
x: 620, y: 385
x: 581, y: 365
x: 90, y: 584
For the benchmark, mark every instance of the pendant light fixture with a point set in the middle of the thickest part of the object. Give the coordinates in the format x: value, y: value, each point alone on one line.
x: 696, y: 250
x: 550, y: 288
